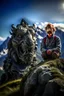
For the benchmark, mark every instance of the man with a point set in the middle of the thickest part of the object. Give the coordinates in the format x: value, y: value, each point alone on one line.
x: 51, y: 44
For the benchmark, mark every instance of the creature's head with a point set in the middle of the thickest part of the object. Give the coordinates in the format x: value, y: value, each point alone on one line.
x: 50, y: 29
x: 23, y: 43
x: 23, y: 23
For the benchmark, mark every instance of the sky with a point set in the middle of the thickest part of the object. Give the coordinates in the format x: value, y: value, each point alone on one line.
x: 12, y: 11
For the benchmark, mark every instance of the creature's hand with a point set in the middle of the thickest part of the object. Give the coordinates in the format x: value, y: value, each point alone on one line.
x: 49, y: 51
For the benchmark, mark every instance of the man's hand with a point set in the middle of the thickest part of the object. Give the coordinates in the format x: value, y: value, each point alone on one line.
x: 49, y: 51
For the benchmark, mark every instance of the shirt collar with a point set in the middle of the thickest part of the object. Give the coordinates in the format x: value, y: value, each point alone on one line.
x: 50, y: 37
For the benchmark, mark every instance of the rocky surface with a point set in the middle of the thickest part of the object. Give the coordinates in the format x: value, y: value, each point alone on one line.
x: 56, y: 68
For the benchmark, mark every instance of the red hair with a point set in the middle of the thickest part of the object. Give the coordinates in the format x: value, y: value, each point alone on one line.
x: 49, y: 25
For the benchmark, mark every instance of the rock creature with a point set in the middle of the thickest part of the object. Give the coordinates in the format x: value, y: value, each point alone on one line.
x: 21, y: 49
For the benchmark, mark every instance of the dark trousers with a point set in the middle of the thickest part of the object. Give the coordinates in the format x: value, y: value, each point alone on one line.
x: 53, y: 55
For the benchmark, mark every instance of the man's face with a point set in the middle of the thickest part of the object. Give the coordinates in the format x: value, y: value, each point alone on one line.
x: 49, y: 32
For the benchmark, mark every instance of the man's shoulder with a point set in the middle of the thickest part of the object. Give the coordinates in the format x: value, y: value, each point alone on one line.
x: 56, y: 37
x: 44, y: 37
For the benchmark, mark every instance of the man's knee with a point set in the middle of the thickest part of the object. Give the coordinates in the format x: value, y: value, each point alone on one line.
x: 55, y: 55
x: 44, y: 55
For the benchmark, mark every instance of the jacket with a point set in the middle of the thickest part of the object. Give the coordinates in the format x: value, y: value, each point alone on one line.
x: 51, y: 43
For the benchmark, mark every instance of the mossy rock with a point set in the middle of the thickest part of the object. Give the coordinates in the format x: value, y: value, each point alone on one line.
x: 15, y: 87
x: 10, y: 88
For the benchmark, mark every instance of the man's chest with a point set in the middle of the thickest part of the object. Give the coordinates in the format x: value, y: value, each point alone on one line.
x: 50, y: 42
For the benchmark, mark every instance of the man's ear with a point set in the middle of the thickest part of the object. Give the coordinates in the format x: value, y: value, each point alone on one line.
x: 54, y: 29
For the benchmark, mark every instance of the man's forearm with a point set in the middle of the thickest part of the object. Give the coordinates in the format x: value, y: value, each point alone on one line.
x: 56, y: 49
x: 43, y: 50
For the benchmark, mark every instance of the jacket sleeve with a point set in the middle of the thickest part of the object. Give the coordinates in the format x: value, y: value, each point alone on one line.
x: 58, y: 45
x: 42, y: 47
